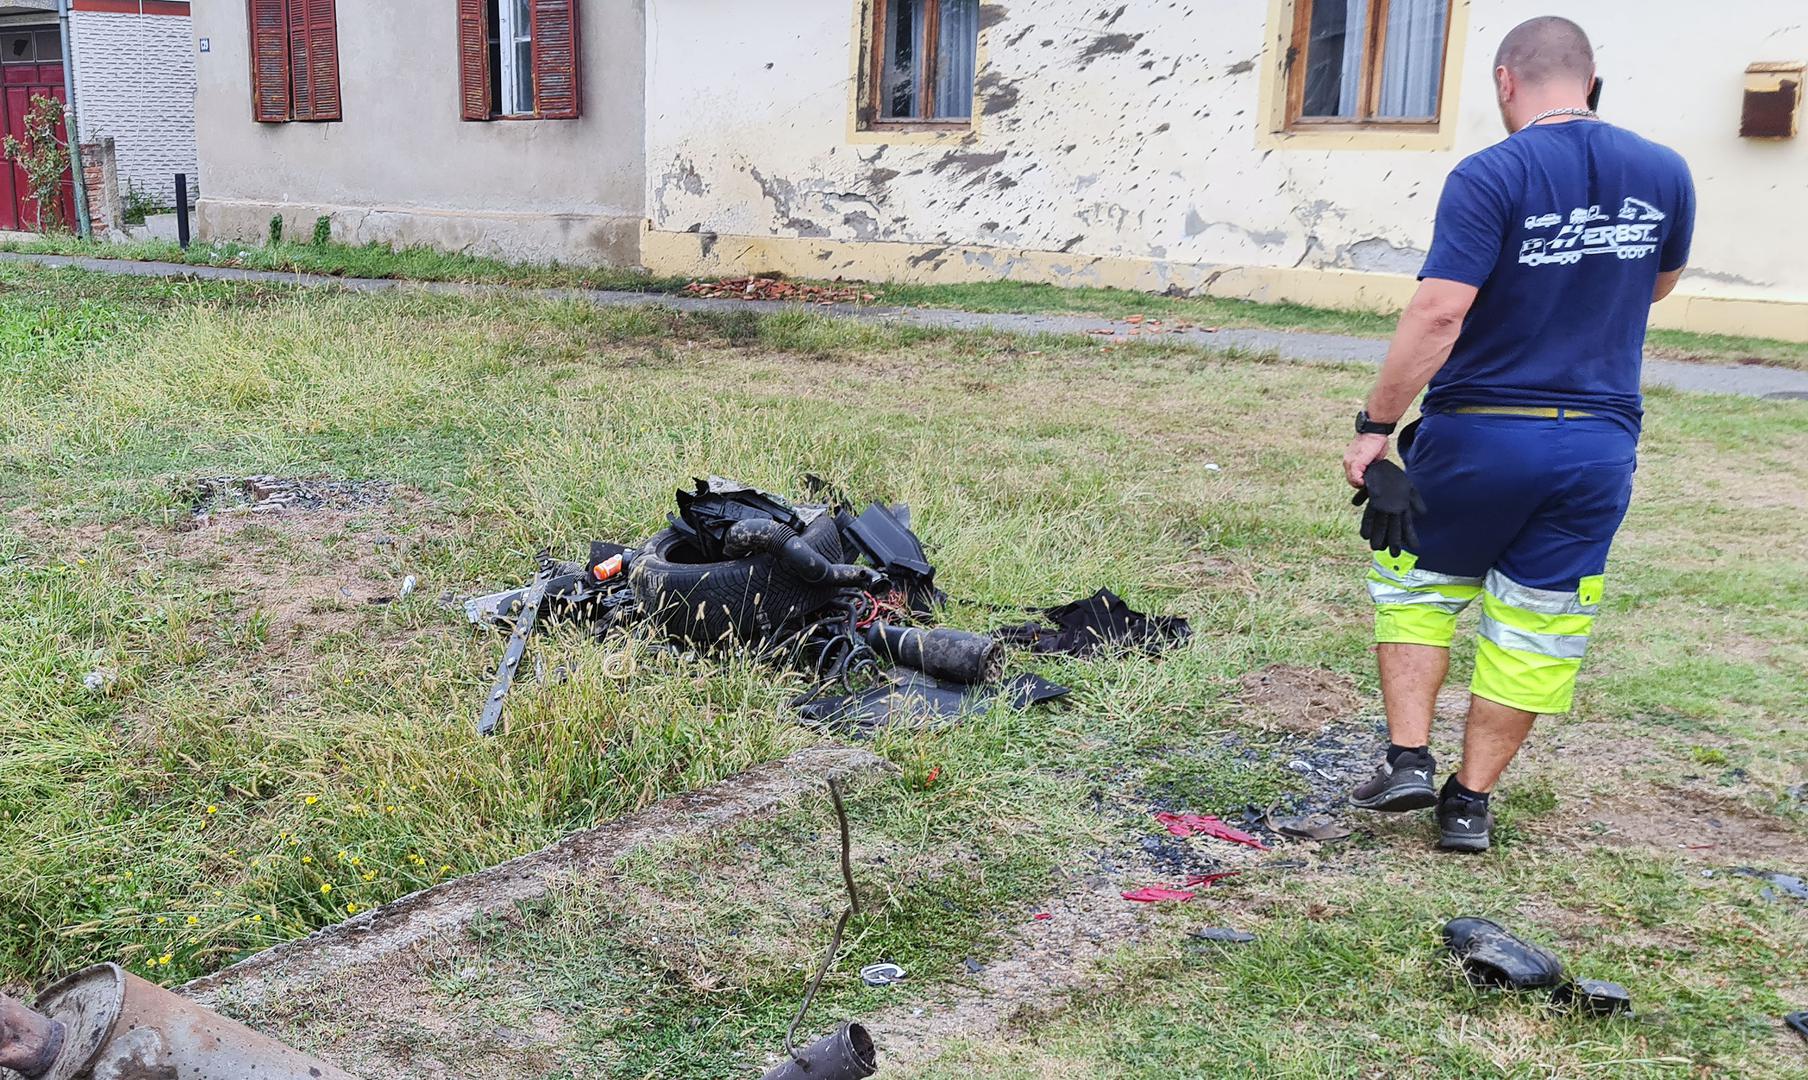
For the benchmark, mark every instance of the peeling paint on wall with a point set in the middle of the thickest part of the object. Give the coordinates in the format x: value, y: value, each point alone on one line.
x: 1122, y: 131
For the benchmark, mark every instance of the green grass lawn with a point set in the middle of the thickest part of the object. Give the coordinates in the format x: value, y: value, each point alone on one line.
x: 427, y: 264
x: 264, y: 731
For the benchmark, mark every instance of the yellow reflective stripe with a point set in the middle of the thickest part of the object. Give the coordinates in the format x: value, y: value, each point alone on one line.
x: 1533, y: 622
x: 1414, y: 624
x: 1524, y: 680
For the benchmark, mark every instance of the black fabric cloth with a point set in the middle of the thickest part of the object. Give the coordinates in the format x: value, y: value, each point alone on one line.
x: 911, y: 697
x: 1100, y: 621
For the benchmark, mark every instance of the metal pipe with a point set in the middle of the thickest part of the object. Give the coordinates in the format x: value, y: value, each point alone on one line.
x: 182, y: 210
x: 847, y: 1053
x: 120, y: 1027
x: 29, y: 1042
x: 84, y: 224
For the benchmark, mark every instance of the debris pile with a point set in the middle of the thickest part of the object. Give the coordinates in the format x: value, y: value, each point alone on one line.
x: 773, y: 287
x: 218, y: 496
x: 846, y: 595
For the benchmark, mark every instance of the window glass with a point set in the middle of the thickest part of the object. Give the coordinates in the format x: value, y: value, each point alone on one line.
x: 1334, y: 47
x: 50, y: 46
x: 903, y: 40
x: 524, y: 57
x: 1413, y: 65
x: 956, y: 56
x: 17, y: 48
x: 931, y: 50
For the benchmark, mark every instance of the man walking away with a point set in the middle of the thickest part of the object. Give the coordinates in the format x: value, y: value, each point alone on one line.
x: 1529, y: 324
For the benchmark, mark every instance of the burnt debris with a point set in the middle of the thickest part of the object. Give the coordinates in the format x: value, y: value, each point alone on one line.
x: 848, y: 596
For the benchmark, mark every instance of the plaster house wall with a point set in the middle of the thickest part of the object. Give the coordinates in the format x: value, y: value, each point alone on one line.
x: 1132, y: 145
x: 403, y: 168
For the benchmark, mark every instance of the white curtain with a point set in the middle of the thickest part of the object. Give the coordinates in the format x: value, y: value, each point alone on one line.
x: 1355, y: 34
x: 1413, y: 65
x: 957, y: 54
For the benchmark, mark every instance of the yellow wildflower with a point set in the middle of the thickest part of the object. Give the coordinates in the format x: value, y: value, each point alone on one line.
x: 164, y: 959
x: 194, y: 920
x: 212, y: 809
x: 326, y: 887
x: 311, y: 800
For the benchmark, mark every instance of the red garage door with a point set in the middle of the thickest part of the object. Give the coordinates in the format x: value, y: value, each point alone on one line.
x: 30, y: 66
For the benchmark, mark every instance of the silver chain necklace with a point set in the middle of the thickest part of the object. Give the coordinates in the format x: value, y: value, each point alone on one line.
x: 1587, y: 114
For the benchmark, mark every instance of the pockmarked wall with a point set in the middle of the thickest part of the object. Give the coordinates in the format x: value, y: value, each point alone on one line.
x: 402, y: 168
x: 135, y: 84
x: 1131, y: 145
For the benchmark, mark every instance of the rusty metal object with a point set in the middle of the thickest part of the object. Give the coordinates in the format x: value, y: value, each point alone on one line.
x: 29, y: 1042
x: 120, y: 1027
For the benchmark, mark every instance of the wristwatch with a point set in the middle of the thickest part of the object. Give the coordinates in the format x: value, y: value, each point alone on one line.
x: 1365, y: 426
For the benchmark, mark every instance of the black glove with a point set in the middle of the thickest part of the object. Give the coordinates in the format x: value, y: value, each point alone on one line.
x: 1392, y: 504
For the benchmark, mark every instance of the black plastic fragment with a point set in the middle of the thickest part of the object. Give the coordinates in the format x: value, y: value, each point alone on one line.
x: 1224, y: 934
x: 1100, y: 621
x: 882, y: 535
x: 847, y: 1053
x: 706, y: 514
x: 1493, y: 956
x: 1798, y: 1023
x: 1597, y: 997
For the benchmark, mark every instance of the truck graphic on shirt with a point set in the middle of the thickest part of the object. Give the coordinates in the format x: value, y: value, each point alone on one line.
x: 1588, y: 231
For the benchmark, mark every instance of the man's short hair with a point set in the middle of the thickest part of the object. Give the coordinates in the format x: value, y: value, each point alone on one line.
x: 1549, y: 47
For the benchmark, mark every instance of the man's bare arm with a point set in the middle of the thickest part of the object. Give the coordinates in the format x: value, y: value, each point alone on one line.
x: 1666, y: 283
x: 1428, y: 330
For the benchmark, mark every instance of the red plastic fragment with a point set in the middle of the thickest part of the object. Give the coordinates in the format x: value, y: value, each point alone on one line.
x: 1042, y: 916
x: 1190, y: 824
x: 1150, y: 894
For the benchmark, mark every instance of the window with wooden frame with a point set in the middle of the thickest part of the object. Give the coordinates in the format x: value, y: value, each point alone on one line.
x: 1367, y: 63
x: 294, y: 60
x: 518, y: 60
x: 922, y: 64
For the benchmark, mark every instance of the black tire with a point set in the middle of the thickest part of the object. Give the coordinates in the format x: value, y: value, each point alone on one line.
x: 717, y: 603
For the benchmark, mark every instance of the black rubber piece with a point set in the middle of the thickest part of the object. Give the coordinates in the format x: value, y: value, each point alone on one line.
x: 1798, y: 1023
x: 1492, y: 956
x: 716, y: 603
x: 952, y: 655
x: 754, y: 537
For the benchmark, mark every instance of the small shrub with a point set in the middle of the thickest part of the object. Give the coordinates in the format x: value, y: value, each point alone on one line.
x: 323, y: 231
x: 139, y: 205
x: 275, y: 229
x: 45, y: 159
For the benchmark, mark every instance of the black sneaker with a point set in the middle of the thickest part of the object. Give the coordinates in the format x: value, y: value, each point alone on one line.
x: 1463, y: 824
x: 1404, y: 785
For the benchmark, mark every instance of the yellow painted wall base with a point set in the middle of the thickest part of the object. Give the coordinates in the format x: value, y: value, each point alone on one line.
x: 701, y: 254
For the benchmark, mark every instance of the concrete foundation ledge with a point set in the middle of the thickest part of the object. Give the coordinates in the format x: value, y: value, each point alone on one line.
x: 707, y: 254
x: 378, y: 939
x: 573, y: 239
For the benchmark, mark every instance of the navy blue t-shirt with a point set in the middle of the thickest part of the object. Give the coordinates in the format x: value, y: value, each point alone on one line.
x: 1564, y: 228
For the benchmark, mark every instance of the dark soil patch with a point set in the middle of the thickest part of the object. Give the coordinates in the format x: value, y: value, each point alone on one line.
x: 1302, y: 700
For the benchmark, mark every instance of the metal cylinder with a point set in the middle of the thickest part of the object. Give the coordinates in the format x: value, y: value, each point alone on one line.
x: 29, y: 1043
x: 847, y: 1053
x: 120, y: 1027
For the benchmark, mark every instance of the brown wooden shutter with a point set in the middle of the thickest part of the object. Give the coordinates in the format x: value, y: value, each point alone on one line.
x: 558, y: 90
x: 270, y: 100
x: 323, y: 57
x: 314, y: 59
x: 474, y: 60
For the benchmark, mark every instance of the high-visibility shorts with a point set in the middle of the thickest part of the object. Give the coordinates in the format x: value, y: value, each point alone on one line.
x: 1520, y: 512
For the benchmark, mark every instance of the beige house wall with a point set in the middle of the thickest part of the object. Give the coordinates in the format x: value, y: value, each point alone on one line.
x: 402, y: 168
x: 1136, y: 145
